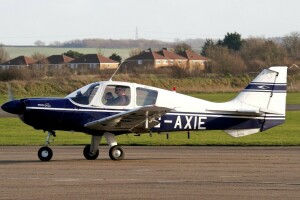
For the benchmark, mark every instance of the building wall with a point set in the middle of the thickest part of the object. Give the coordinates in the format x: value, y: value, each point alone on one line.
x: 6, y: 67
x: 138, y: 63
x: 180, y: 63
x: 109, y: 65
x: 161, y: 63
x: 196, y: 64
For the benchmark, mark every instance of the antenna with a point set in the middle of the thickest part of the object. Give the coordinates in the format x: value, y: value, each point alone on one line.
x: 115, y: 72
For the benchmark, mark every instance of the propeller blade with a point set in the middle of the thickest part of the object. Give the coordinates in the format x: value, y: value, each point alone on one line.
x: 10, y: 92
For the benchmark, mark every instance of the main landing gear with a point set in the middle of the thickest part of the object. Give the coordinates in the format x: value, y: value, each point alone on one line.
x: 91, y: 151
x: 45, y: 153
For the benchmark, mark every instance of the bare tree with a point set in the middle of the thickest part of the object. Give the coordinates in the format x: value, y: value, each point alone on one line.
x: 181, y: 47
x: 4, y: 56
x: 39, y: 57
x: 101, y: 51
x: 134, y: 52
x: 39, y: 43
x: 224, y: 60
x: 55, y: 43
x: 292, y: 44
x: 259, y: 53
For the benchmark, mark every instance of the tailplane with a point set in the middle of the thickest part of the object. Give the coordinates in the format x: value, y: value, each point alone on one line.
x: 267, y: 95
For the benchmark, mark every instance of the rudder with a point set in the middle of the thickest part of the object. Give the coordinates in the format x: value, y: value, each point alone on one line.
x: 267, y: 91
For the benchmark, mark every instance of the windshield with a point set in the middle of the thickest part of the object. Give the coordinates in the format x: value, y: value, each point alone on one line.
x: 85, y: 94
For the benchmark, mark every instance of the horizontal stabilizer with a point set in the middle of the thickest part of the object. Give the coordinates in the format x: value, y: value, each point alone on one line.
x: 257, y: 112
x: 241, y: 132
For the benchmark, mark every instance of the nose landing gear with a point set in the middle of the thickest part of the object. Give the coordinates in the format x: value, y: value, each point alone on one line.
x: 45, y: 153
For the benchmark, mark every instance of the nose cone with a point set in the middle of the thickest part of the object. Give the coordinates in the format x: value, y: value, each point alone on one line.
x: 14, y: 107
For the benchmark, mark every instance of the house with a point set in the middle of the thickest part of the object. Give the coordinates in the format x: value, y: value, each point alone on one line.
x: 195, y: 61
x: 54, y: 61
x: 173, y: 58
x: 17, y: 63
x: 58, y: 60
x: 146, y: 59
x: 93, y: 61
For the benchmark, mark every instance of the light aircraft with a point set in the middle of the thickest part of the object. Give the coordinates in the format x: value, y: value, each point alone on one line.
x: 111, y: 108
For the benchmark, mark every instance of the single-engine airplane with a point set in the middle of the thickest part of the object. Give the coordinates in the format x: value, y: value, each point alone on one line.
x: 111, y: 108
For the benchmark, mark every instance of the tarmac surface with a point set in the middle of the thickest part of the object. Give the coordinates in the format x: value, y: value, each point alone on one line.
x: 152, y: 173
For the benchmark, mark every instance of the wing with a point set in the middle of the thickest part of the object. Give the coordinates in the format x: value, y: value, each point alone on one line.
x: 137, y: 120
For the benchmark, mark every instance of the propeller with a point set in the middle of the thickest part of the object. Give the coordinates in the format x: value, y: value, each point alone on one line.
x: 13, y: 106
x: 10, y: 92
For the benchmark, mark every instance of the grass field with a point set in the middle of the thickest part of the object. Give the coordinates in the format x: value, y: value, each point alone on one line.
x: 14, y: 132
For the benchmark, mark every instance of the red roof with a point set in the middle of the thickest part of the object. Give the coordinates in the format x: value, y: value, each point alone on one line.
x: 58, y: 59
x: 147, y: 55
x: 21, y: 60
x: 93, y: 58
x: 170, y: 54
x: 192, y: 55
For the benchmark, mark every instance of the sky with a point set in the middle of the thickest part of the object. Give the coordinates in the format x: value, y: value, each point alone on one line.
x: 24, y: 22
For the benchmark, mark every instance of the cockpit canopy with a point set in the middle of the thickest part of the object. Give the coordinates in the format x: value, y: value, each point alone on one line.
x: 106, y: 94
x: 85, y: 94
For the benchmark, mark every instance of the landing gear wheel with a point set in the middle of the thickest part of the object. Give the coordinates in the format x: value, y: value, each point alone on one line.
x: 45, y: 154
x: 87, y: 153
x: 116, y: 153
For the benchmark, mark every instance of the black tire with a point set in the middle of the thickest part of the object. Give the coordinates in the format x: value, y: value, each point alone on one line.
x: 116, y: 153
x: 87, y: 154
x: 45, y: 154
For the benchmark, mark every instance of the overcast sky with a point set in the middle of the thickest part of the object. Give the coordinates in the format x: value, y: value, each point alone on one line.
x: 25, y: 21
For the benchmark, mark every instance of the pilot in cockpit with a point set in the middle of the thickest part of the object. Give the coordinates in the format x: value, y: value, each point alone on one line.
x: 121, y: 99
x: 109, y: 98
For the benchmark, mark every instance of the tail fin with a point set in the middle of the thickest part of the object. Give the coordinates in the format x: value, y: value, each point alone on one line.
x: 266, y: 94
x: 267, y: 91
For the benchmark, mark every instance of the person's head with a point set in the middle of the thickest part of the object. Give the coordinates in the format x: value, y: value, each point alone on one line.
x: 108, y: 96
x: 119, y: 90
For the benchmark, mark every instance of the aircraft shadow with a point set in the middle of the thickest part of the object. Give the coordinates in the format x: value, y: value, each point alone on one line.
x: 8, y: 162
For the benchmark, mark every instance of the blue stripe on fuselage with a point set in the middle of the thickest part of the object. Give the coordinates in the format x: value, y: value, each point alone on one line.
x: 266, y: 87
x: 61, y: 114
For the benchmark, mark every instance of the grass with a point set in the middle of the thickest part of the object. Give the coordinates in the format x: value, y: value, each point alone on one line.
x: 14, y: 132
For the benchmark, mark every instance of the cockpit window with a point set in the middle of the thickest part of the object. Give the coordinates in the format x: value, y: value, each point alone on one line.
x: 145, y: 96
x: 116, y: 95
x: 85, y: 94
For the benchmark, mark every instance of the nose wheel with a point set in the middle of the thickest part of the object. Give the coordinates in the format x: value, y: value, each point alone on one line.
x: 45, y: 153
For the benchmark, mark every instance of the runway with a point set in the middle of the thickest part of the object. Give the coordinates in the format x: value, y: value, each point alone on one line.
x: 152, y: 173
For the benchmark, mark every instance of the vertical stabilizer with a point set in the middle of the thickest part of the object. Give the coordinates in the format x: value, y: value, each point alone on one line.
x: 267, y: 91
